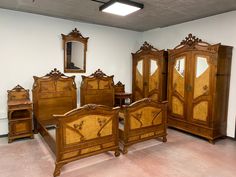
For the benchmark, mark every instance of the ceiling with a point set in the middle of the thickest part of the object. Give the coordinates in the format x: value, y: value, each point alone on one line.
x: 156, y: 13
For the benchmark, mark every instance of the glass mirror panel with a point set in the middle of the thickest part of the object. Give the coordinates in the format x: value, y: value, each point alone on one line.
x: 178, y: 76
x: 153, y: 66
x: 202, y: 66
x: 140, y: 67
x: 179, y: 66
x: 202, y: 78
x: 75, y: 55
x: 139, y: 75
x: 154, y: 75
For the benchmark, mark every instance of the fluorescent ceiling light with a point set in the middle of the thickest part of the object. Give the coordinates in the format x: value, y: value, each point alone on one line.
x: 121, y: 7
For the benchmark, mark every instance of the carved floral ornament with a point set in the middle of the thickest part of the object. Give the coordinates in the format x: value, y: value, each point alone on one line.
x: 146, y: 47
x: 55, y: 73
x: 99, y: 74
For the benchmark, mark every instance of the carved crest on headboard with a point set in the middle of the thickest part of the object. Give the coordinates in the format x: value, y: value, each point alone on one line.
x: 55, y: 73
x: 99, y: 74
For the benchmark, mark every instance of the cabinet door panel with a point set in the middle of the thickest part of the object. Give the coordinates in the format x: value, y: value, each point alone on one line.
x: 154, y: 79
x: 138, y: 79
x: 202, y: 88
x: 177, y: 86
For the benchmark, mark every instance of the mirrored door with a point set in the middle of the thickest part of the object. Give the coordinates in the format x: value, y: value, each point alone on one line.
x: 177, y: 86
x: 201, y: 98
x: 139, y: 80
x: 153, y: 79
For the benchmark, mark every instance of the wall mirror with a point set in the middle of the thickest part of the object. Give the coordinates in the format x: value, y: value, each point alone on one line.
x: 75, y: 47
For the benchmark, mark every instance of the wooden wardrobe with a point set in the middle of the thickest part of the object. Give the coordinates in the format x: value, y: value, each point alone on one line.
x: 198, y: 87
x: 149, y: 73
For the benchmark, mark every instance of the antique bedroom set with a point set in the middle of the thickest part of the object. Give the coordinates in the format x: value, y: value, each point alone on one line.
x: 194, y: 78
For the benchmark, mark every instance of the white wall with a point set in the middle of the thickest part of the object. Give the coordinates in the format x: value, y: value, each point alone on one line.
x: 216, y: 29
x: 31, y: 45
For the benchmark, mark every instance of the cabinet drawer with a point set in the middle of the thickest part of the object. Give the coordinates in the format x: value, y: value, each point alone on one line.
x: 20, y: 127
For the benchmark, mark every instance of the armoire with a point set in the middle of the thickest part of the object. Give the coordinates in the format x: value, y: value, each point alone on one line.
x: 198, y: 87
x: 149, y: 73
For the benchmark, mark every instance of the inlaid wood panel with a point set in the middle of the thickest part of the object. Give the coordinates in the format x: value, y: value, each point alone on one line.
x: 177, y: 106
x: 200, y: 111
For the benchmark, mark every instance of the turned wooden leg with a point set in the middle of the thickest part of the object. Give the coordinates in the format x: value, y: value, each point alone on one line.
x: 57, y: 170
x: 117, y: 153
x: 125, y: 150
x: 9, y: 140
x: 164, y: 139
x: 35, y: 126
x: 211, y: 141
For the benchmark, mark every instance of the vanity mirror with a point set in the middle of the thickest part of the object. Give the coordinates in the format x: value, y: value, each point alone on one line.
x: 75, y: 47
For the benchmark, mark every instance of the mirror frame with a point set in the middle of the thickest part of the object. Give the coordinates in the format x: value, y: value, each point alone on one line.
x: 75, y: 35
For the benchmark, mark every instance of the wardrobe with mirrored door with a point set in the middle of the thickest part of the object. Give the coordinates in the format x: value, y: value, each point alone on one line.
x: 198, y: 87
x: 149, y: 73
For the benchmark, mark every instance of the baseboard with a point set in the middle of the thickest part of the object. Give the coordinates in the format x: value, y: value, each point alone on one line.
x: 4, y: 135
x: 231, y: 138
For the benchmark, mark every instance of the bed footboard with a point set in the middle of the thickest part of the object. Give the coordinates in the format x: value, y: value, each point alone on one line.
x: 86, y: 131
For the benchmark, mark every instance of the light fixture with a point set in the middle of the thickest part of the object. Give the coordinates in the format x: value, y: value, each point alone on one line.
x: 120, y: 7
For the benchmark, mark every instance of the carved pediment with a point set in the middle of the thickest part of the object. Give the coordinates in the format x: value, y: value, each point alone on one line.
x: 146, y: 47
x: 75, y: 34
x: 190, y: 40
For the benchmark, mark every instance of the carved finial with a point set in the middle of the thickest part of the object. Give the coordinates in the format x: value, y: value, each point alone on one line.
x: 190, y: 40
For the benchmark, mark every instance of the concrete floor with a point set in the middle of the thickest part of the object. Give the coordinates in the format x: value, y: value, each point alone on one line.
x: 182, y: 156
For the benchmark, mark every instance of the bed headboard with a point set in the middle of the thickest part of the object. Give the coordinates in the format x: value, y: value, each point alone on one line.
x: 53, y: 93
x: 98, y: 88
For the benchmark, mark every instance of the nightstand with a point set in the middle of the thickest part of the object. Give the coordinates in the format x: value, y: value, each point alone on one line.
x: 19, y: 114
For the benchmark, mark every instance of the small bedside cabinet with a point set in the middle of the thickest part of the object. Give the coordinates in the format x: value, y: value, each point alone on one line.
x: 19, y: 114
x: 120, y: 96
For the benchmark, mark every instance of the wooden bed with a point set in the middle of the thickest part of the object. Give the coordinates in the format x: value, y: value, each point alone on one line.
x: 98, y: 88
x: 79, y: 133
x: 144, y: 119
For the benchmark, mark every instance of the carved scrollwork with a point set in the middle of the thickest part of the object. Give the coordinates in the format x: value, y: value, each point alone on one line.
x: 147, y: 47
x: 55, y: 73
x: 90, y: 106
x: 17, y: 88
x: 99, y: 74
x: 75, y: 34
x: 190, y: 40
